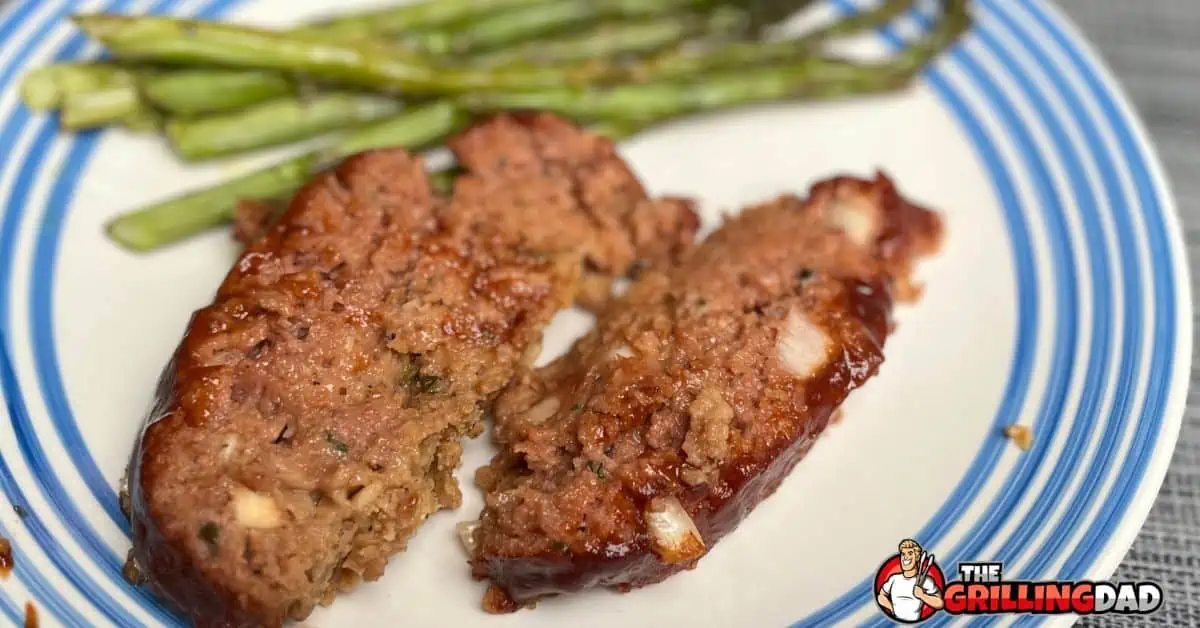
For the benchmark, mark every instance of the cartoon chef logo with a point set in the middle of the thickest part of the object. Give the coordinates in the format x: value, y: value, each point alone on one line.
x: 909, y: 585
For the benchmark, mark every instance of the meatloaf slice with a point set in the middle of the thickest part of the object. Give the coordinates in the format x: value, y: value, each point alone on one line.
x: 311, y: 418
x: 626, y: 460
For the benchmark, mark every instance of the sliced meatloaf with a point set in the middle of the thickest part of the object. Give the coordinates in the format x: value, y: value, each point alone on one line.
x: 625, y: 460
x: 311, y: 419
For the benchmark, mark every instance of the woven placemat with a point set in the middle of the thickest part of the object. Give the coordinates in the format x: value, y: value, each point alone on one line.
x: 1154, y: 48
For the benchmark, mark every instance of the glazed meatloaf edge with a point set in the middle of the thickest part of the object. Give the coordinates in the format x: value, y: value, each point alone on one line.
x: 625, y: 460
x: 311, y: 418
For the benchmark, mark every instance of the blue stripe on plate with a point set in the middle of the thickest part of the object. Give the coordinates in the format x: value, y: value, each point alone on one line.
x: 1135, y: 466
x: 12, y: 19
x: 1164, y: 269
x: 1020, y: 544
x: 49, y: 482
x: 1067, y: 295
x: 1015, y: 487
x: 8, y: 607
x: 1077, y: 445
x: 998, y: 513
x: 1022, y: 366
x: 45, y: 594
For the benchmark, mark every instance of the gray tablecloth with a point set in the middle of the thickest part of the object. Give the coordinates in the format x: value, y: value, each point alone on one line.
x: 1154, y: 47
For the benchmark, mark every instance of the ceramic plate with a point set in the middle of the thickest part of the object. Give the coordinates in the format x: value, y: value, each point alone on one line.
x: 1060, y: 303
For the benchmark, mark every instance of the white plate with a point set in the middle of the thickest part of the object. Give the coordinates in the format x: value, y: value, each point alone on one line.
x: 1060, y: 302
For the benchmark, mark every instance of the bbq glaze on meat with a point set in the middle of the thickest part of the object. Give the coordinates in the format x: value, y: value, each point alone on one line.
x: 626, y: 460
x: 311, y: 419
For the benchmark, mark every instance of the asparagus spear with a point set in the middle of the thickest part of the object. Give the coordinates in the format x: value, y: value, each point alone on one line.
x: 524, y: 24
x: 117, y: 104
x: 181, y: 217
x: 371, y: 65
x: 362, y: 63
x: 275, y: 122
x: 89, y: 94
x: 410, y: 17
x: 187, y: 215
x: 46, y: 88
x: 417, y: 127
x: 614, y: 39
x: 810, y: 78
x: 193, y: 92
x: 683, y: 62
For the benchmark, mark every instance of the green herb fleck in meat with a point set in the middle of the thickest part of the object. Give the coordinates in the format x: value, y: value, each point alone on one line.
x: 576, y: 409
x: 598, y: 469
x: 428, y: 384
x: 335, y: 443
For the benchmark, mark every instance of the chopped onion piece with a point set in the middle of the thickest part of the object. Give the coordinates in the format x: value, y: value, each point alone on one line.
x: 543, y: 410
x: 857, y: 218
x: 466, y: 534
x: 675, y: 537
x: 803, y: 346
x: 255, y: 510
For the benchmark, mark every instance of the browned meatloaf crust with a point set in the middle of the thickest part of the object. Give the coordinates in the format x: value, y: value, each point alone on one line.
x: 627, y: 459
x: 311, y: 418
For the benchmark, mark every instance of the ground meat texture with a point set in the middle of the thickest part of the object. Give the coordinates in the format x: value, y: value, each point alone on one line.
x: 550, y: 187
x: 576, y: 195
x: 694, y: 396
x: 311, y: 418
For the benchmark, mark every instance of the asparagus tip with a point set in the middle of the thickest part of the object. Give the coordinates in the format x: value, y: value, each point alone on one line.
x: 39, y: 94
